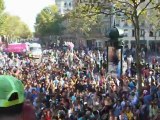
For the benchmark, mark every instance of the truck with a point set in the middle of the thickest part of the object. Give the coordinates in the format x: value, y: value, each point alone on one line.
x: 35, y: 50
x: 17, y: 48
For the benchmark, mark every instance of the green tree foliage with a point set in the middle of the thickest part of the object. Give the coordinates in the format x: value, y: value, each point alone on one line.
x: 48, y: 22
x: 1, y: 6
x: 133, y: 10
x: 2, y: 17
x: 78, y: 20
x: 153, y: 19
x: 14, y: 27
x: 3, y: 23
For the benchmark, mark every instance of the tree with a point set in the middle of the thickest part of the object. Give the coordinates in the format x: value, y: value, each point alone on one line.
x: 80, y: 22
x: 132, y: 9
x: 14, y: 28
x: 22, y: 31
x: 153, y: 20
x: 48, y: 22
x: 1, y: 6
x: 3, y: 23
x: 2, y: 16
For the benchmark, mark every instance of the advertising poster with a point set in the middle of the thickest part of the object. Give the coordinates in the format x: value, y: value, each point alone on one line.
x: 114, y: 60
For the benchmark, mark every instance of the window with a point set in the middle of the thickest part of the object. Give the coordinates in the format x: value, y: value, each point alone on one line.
x: 133, y: 33
x: 123, y: 19
x: 65, y: 4
x: 150, y: 34
x: 70, y: 4
x: 99, y: 30
x: 125, y: 23
x: 98, y: 44
x: 118, y: 14
x: 125, y: 32
x: 142, y: 34
x: 118, y: 22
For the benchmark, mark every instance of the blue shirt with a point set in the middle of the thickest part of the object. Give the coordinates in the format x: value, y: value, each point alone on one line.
x: 131, y: 85
x: 147, y: 99
x: 117, y: 110
x: 73, y: 98
x: 153, y: 89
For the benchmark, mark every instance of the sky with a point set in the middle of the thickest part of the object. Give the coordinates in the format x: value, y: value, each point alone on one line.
x: 27, y: 10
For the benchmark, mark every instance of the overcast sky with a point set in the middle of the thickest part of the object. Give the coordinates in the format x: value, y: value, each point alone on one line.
x: 27, y: 10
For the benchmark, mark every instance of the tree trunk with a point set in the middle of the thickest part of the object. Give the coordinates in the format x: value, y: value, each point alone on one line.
x: 138, y: 57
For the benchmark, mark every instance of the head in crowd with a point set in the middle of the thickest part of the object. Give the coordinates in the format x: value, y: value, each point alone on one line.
x: 12, y: 100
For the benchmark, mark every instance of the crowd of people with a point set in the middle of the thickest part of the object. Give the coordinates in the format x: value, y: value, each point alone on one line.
x: 74, y: 85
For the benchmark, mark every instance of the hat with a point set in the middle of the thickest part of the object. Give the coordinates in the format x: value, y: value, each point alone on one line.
x: 11, y: 91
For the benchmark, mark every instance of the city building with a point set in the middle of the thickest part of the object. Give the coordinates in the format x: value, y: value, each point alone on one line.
x: 64, y: 5
x: 148, y: 37
x: 97, y: 37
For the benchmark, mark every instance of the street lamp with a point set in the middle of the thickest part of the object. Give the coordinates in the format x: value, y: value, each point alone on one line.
x: 115, y: 50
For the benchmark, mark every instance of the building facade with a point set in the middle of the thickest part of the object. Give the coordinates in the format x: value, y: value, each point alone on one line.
x: 64, y: 5
x: 147, y: 36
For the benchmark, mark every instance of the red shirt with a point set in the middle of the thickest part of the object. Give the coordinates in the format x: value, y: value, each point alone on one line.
x: 28, y: 112
x: 48, y: 118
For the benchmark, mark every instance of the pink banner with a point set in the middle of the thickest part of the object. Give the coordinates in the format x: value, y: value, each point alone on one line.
x: 17, y: 48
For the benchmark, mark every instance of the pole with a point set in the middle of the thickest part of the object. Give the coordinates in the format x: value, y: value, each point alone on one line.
x: 121, y: 60
x: 111, y: 8
x: 107, y: 58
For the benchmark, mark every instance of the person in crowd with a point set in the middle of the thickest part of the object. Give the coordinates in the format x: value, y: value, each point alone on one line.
x: 12, y: 101
x: 62, y: 88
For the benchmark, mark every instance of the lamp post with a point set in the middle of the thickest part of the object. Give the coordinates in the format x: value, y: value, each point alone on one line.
x: 115, y: 51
